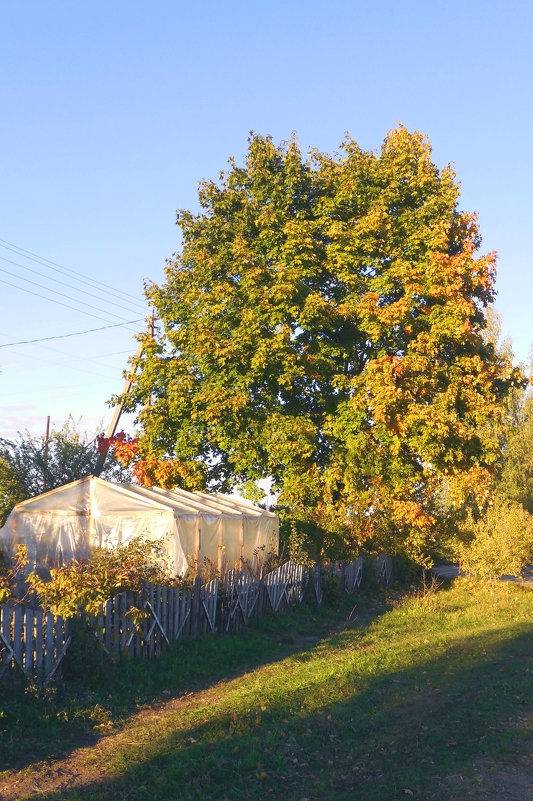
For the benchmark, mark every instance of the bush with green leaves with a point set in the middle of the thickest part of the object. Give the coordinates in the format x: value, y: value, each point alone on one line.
x: 499, y: 543
x: 81, y: 586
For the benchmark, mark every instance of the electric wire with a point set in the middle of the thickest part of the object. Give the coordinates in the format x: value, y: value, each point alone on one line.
x: 57, y: 292
x: 59, y: 303
x: 132, y: 306
x: 70, y: 286
x: 59, y: 363
x: 64, y: 270
x: 66, y: 336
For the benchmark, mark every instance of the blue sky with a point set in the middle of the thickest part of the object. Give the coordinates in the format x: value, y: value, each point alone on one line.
x: 112, y: 112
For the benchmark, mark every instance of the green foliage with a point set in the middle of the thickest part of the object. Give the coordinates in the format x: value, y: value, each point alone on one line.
x: 294, y: 543
x: 12, y: 489
x: 323, y: 325
x: 516, y: 477
x: 306, y: 542
x: 11, y: 573
x: 81, y: 586
x: 499, y: 543
x: 29, y: 465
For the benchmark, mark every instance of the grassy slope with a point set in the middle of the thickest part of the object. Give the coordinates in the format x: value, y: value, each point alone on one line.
x: 406, y: 701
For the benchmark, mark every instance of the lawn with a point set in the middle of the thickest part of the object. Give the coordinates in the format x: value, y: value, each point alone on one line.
x: 427, y: 697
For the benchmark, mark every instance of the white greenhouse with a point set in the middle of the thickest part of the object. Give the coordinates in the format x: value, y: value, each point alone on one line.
x: 195, y: 527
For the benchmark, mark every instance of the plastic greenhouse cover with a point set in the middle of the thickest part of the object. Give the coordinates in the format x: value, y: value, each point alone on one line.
x: 195, y: 528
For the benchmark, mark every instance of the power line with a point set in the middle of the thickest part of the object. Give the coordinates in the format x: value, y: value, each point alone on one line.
x: 57, y: 292
x: 62, y: 283
x: 64, y: 270
x: 63, y: 365
x: 65, y: 336
x: 59, y: 303
x: 61, y: 294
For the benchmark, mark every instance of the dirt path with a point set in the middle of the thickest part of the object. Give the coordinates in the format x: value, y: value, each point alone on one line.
x: 87, y: 764
x: 503, y: 782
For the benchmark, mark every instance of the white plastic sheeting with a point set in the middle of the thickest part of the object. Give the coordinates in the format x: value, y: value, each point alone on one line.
x: 196, y: 528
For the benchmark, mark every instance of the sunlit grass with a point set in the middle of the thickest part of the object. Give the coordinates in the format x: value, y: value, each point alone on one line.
x: 412, y: 692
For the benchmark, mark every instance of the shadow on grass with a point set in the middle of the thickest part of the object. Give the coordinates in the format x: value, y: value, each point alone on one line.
x: 40, y: 725
x: 399, y: 734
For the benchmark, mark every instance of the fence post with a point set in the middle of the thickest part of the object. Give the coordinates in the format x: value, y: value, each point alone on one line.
x: 196, y: 606
x: 317, y: 583
x: 342, y: 581
x: 48, y: 644
x: 39, y: 644
x: 28, y: 636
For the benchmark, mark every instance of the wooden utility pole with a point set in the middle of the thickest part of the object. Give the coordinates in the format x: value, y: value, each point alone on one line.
x: 111, y: 431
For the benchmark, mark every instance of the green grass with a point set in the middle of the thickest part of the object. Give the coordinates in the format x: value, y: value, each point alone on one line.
x: 396, y: 704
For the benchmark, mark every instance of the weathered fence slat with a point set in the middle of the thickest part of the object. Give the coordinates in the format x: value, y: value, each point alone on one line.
x: 107, y: 623
x: 157, y: 614
x: 58, y: 637
x: 5, y: 634
x: 17, y: 636
x: 209, y: 602
x: 155, y: 629
x: 149, y: 644
x: 384, y: 568
x: 195, y: 607
x: 28, y: 637
x: 122, y: 631
x: 317, y: 584
x: 175, y: 626
x: 129, y: 629
x: 164, y: 613
x: 136, y: 628
x: 48, y: 644
x: 38, y: 656
x: 115, y: 639
x: 184, y: 617
x: 247, y: 595
x: 62, y: 642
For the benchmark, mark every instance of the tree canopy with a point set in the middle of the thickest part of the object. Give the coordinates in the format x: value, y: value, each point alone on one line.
x: 322, y: 324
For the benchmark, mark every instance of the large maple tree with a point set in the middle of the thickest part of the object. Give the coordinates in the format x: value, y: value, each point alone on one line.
x: 322, y: 325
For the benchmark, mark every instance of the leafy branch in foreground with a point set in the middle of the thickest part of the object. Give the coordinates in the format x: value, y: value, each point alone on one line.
x: 81, y: 586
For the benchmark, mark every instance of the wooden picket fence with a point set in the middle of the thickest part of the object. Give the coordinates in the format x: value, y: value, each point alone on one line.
x: 33, y: 641
x: 349, y: 575
x: 383, y: 568
x: 147, y: 622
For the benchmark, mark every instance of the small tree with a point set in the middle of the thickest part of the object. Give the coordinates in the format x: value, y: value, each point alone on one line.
x: 12, y: 572
x: 12, y: 489
x: 500, y: 543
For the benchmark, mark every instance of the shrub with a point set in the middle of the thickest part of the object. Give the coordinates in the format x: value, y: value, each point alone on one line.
x: 501, y: 542
x: 81, y: 586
